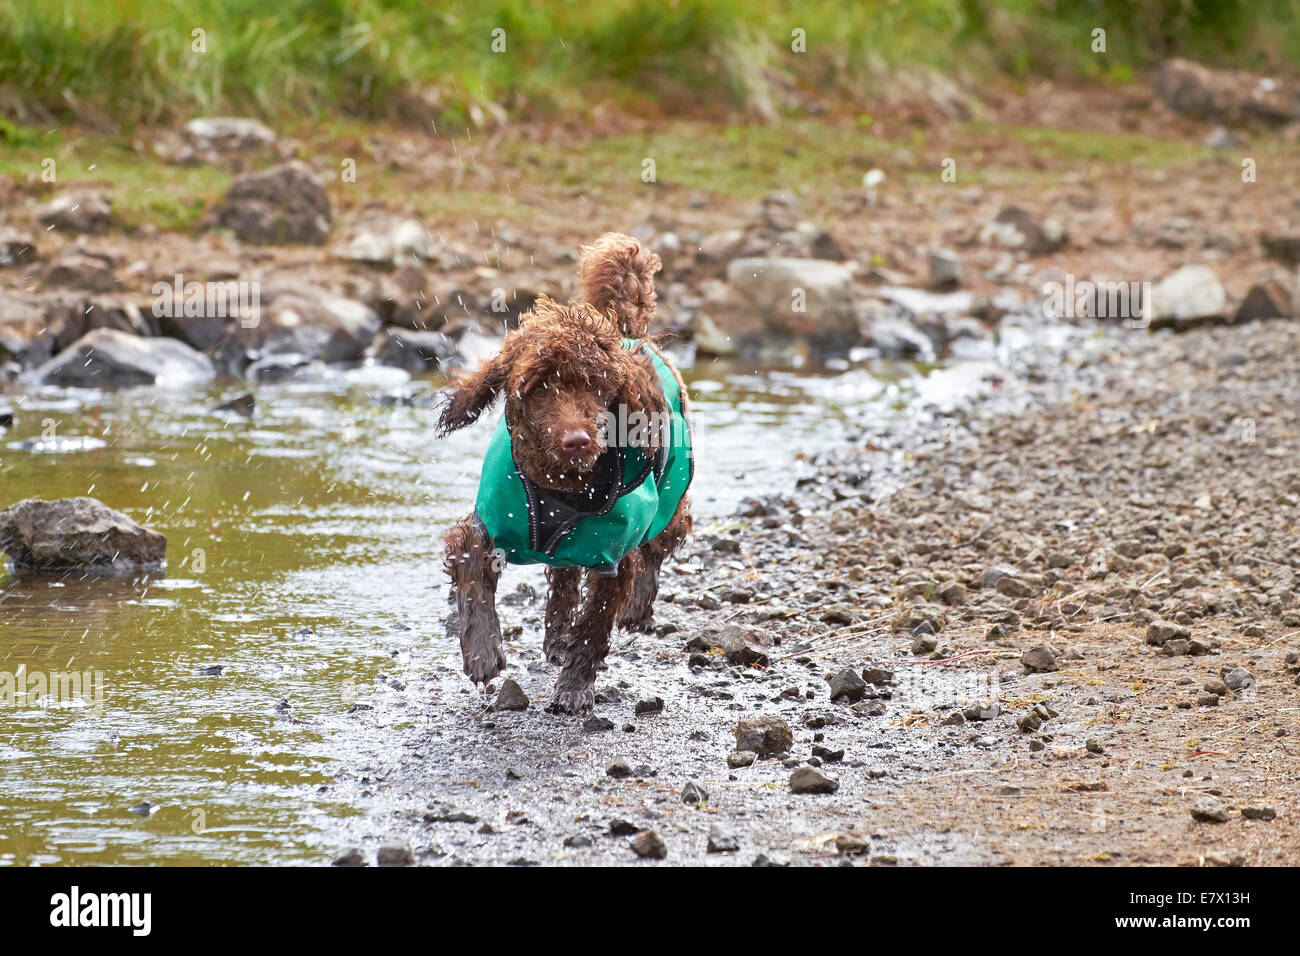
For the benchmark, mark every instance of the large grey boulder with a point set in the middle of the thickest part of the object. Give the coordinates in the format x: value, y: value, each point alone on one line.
x: 105, y: 358
x: 801, y: 300
x: 305, y: 319
x: 413, y: 350
x: 76, y: 533
x: 283, y: 204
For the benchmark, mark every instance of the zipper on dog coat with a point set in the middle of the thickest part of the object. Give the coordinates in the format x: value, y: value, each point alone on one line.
x: 634, y: 496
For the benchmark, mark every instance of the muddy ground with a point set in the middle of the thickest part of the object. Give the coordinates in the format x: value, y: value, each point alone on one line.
x: 1144, y: 489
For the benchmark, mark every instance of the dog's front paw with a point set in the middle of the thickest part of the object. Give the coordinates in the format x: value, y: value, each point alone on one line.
x: 480, y: 647
x: 572, y: 700
x: 481, y: 669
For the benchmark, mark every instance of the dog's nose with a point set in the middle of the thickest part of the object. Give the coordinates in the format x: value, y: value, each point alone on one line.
x: 575, y: 440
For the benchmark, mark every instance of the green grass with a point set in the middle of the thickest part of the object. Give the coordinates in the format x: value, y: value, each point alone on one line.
x: 141, y: 189
x: 726, y: 161
x: 741, y: 161
x: 114, y: 62
x: 1057, y: 145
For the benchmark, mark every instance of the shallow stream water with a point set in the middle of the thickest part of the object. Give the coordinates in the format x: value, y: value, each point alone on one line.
x: 303, y: 564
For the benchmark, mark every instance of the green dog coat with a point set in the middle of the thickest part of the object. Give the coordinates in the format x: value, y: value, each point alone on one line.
x: 635, y: 496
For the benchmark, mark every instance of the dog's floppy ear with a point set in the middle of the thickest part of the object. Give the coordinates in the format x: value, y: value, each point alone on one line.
x: 641, y: 395
x: 473, y: 395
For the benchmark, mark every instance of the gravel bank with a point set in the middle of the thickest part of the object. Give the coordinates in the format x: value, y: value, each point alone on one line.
x: 1059, y: 624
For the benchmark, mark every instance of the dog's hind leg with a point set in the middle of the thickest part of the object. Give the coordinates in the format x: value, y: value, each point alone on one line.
x: 646, y: 561
x: 561, y: 606
x: 589, y: 642
x: 474, y: 571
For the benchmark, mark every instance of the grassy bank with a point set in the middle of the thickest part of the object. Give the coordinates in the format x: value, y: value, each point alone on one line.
x: 133, y: 61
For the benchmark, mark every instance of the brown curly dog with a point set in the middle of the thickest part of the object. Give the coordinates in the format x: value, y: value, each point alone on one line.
x: 563, y: 371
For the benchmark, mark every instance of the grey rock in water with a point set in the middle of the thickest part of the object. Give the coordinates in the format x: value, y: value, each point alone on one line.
x: 891, y: 335
x: 244, y: 405
x: 299, y: 317
x: 350, y: 857
x: 106, y: 358
x: 808, y: 300
x: 413, y: 350
x: 77, y: 533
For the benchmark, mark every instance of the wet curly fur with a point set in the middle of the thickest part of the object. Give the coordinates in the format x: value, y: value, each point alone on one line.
x: 617, y: 274
x: 560, y: 371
